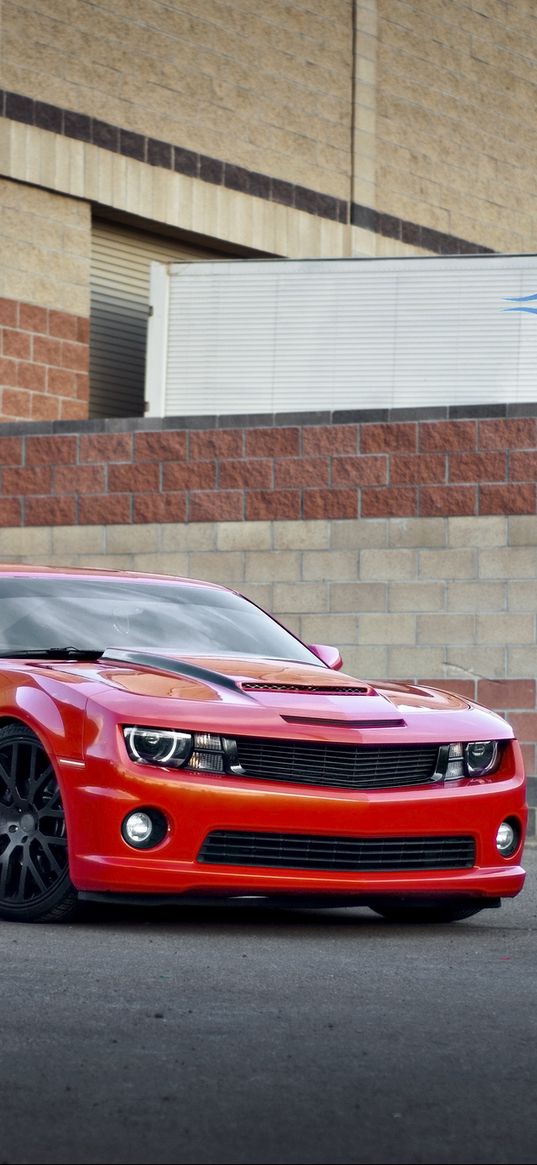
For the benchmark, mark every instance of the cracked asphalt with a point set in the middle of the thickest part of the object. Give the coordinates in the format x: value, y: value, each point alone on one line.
x: 231, y: 1035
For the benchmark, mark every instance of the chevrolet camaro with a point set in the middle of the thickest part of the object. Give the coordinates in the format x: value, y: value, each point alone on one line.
x: 166, y: 740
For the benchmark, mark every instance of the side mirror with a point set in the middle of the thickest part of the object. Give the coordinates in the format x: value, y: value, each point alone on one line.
x: 329, y: 655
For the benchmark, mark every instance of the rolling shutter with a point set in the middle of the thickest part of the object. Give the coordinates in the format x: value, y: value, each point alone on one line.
x: 120, y: 261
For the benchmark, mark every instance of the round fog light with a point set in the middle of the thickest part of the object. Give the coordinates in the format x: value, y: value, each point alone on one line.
x: 506, y: 839
x: 144, y: 828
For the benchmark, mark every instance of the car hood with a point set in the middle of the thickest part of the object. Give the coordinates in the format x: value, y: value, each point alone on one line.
x: 277, y: 684
x: 275, y: 697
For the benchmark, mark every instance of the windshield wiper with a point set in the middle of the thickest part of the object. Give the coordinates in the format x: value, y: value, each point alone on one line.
x: 53, y: 653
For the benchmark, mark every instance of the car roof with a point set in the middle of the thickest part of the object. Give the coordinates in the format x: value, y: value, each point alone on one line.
x: 26, y: 570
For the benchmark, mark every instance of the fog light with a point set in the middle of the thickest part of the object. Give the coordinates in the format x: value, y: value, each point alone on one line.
x: 506, y: 839
x: 145, y: 828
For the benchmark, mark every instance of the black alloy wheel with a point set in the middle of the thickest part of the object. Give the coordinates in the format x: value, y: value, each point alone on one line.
x: 34, y: 871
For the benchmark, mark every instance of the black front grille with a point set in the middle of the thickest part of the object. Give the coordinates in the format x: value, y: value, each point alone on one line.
x: 305, y: 852
x: 343, y: 766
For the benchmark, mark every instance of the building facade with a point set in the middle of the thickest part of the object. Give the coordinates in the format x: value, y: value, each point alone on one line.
x: 319, y: 128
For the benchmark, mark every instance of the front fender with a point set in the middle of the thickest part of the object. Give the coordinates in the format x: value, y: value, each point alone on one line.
x: 57, y: 718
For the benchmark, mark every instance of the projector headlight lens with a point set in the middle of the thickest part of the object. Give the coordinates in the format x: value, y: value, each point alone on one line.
x: 158, y: 746
x: 171, y: 748
x: 480, y: 757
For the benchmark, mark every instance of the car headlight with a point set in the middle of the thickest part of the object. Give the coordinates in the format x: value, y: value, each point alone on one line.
x: 158, y: 746
x: 170, y: 748
x: 474, y: 759
x: 480, y: 757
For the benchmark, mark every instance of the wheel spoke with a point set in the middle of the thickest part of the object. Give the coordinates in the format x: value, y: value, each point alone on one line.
x: 4, y: 866
x: 32, y: 869
x: 5, y: 776
x: 58, y: 869
x: 38, y: 783
x: 31, y: 772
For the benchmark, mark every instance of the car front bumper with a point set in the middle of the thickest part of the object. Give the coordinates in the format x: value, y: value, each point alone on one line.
x: 100, y: 793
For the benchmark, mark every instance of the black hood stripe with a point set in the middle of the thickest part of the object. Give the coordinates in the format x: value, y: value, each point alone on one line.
x: 172, y: 667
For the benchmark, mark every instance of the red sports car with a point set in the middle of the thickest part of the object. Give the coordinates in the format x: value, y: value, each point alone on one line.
x: 166, y: 739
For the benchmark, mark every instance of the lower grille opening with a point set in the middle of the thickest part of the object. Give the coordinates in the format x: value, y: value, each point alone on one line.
x: 307, y: 852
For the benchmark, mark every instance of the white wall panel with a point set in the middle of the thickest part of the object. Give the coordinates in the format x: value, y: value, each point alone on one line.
x: 262, y: 336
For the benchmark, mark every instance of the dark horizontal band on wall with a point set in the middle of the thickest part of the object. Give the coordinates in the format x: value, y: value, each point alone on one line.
x: 270, y: 420
x: 170, y: 157
x: 391, y: 227
x: 167, y: 156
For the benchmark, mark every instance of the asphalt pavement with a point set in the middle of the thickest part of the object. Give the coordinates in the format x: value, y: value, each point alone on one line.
x: 231, y: 1035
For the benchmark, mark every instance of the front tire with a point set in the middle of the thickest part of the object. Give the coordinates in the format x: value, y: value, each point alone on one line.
x: 34, y: 868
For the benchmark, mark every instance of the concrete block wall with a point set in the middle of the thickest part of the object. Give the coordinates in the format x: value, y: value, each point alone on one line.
x: 443, y: 140
x: 44, y: 304
x: 380, y: 127
x: 266, y: 87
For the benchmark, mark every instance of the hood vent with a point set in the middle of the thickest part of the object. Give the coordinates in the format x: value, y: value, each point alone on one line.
x: 306, y: 689
x: 328, y: 721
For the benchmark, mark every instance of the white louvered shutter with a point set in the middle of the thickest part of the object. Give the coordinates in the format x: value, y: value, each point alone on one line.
x: 120, y: 262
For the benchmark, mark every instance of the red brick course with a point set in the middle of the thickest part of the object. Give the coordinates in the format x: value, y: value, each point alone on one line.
x: 333, y: 503
x: 365, y: 470
x: 447, y: 501
x: 448, y: 436
x: 178, y: 475
x: 104, y: 446
x: 401, y: 501
x: 43, y: 363
x: 507, y: 499
x: 170, y: 507
x: 302, y: 471
x: 388, y: 438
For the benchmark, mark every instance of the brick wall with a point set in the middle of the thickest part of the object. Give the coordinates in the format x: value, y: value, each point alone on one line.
x: 43, y: 363
x: 403, y: 469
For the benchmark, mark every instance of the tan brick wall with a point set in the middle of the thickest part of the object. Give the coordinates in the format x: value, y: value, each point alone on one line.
x: 45, y: 241
x: 452, y: 597
x: 266, y: 86
x: 444, y: 134
x: 415, y: 110
x: 35, y: 158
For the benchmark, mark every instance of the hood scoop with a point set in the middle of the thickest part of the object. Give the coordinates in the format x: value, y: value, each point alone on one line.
x: 343, y: 723
x: 307, y: 689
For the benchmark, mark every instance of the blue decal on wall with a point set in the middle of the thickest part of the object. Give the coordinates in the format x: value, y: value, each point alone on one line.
x: 521, y: 299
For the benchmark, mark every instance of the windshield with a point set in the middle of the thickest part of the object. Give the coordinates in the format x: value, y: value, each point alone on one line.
x: 100, y: 613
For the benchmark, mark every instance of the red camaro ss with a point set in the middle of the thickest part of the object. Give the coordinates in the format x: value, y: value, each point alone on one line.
x: 163, y: 739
